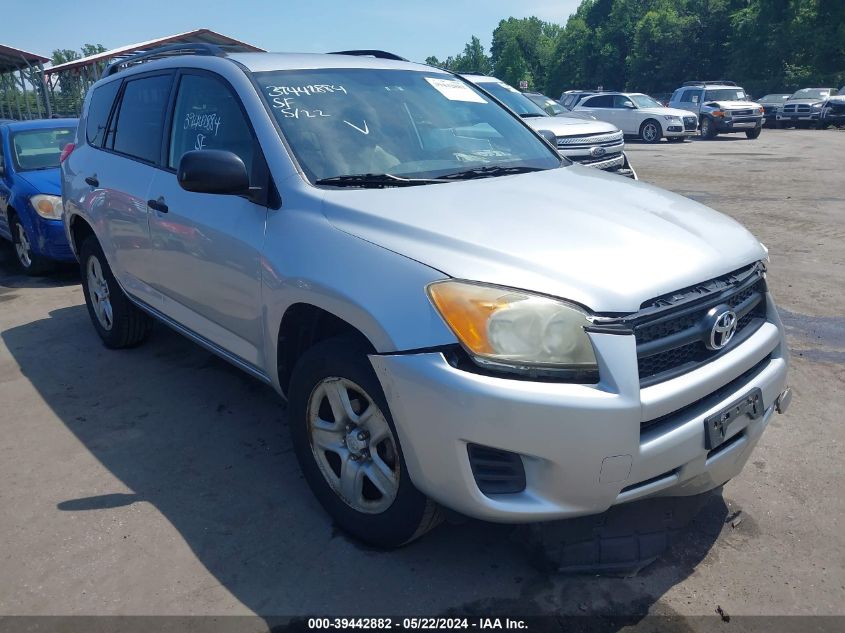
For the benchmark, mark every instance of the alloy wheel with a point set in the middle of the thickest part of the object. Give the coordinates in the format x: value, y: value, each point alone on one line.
x: 23, y: 248
x: 98, y: 289
x: 353, y: 445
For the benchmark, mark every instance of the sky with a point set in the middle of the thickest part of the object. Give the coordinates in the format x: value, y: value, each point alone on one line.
x: 413, y: 30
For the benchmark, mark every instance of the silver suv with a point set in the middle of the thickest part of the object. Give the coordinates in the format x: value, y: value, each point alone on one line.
x: 722, y: 108
x: 579, y: 137
x: 457, y: 316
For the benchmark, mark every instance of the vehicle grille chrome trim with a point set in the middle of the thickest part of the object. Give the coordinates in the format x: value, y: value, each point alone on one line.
x: 589, y: 140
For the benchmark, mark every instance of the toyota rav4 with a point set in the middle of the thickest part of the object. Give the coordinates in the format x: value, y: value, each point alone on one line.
x: 458, y: 316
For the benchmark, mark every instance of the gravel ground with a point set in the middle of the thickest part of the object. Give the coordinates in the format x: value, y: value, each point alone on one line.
x: 161, y: 481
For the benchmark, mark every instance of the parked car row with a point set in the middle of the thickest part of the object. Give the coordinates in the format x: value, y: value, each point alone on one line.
x: 816, y: 107
x: 457, y: 315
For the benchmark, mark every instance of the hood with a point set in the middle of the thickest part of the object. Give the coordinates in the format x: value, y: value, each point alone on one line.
x: 736, y: 105
x: 568, y: 126
x: 837, y: 99
x: 666, y: 112
x: 43, y: 181
x: 578, y: 233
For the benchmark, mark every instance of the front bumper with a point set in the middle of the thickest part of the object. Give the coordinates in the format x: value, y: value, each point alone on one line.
x: 617, y: 163
x: 803, y: 116
x: 738, y: 124
x: 51, y: 240
x: 582, y: 446
x: 677, y: 129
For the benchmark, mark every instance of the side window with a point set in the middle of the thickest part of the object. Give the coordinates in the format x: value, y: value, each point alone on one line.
x: 208, y: 116
x: 98, y: 112
x: 619, y: 101
x: 691, y: 96
x: 140, y: 118
x: 605, y: 101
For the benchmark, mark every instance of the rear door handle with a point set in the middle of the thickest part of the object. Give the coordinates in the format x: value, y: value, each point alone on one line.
x: 158, y: 205
x: 92, y: 180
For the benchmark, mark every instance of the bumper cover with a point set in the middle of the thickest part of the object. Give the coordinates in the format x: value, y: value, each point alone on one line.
x: 581, y: 445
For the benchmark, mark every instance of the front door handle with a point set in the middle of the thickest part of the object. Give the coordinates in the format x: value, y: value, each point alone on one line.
x: 92, y: 180
x: 158, y: 205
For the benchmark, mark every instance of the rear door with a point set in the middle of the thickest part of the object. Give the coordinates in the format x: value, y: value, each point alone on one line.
x: 207, y: 246
x: 110, y: 174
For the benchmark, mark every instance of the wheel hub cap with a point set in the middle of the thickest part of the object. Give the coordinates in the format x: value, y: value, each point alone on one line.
x: 353, y: 445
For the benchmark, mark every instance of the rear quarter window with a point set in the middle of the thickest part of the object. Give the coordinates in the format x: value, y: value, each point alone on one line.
x: 98, y: 112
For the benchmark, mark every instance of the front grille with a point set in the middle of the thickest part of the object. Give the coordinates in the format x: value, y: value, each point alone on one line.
x: 690, y: 123
x: 799, y: 108
x: 589, y: 140
x: 496, y: 471
x: 742, y: 112
x: 671, y: 331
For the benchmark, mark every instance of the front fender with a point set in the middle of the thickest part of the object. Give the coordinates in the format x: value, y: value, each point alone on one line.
x: 379, y: 292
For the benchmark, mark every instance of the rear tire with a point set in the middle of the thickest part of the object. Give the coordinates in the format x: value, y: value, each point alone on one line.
x: 348, y: 448
x: 117, y: 320
x: 755, y: 133
x: 650, y: 131
x: 29, y: 262
x: 708, y: 129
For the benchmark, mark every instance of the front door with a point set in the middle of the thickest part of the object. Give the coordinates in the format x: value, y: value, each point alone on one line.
x: 207, y: 246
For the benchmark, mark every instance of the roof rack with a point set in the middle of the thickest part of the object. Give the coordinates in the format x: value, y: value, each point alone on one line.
x: 195, y: 48
x: 371, y: 53
x: 720, y: 82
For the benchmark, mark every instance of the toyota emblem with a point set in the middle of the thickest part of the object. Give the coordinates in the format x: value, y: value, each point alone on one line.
x: 722, y: 323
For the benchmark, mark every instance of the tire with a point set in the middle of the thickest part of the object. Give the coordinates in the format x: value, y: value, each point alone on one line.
x: 650, y: 131
x: 708, y: 129
x: 117, y: 320
x: 29, y: 262
x: 755, y: 133
x: 388, y: 516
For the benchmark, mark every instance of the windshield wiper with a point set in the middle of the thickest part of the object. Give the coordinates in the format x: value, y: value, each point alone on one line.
x: 373, y: 181
x: 531, y: 115
x: 489, y: 172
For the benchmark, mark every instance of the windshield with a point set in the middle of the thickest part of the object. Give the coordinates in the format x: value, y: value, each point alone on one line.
x: 514, y: 99
x: 39, y: 149
x: 811, y: 93
x: 725, y: 94
x: 644, y: 101
x: 349, y: 122
x: 548, y: 104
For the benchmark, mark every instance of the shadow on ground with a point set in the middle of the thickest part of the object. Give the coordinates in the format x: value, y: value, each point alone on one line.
x: 208, y: 447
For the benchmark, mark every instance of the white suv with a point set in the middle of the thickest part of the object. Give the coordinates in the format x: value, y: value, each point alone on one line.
x: 639, y: 115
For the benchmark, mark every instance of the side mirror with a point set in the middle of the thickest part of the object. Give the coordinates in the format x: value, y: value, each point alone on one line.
x: 549, y: 136
x: 213, y: 171
x: 629, y: 105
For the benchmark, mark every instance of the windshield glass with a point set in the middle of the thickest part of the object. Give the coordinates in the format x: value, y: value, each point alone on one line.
x: 39, y: 149
x: 811, y: 93
x: 773, y: 98
x: 548, y: 104
x: 512, y: 98
x: 644, y: 101
x: 725, y: 94
x: 343, y: 122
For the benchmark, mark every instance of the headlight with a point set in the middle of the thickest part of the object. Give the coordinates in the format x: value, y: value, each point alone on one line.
x: 515, y: 330
x: 671, y: 117
x: 817, y: 105
x: 49, y: 207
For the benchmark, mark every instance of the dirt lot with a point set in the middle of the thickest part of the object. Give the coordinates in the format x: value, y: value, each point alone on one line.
x: 161, y: 481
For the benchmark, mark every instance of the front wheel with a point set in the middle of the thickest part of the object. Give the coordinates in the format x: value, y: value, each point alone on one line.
x: 30, y: 262
x: 708, y: 129
x: 117, y: 320
x: 755, y: 133
x: 348, y: 448
x: 651, y: 132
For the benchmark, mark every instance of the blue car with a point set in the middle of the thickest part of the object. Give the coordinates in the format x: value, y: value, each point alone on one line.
x: 31, y: 193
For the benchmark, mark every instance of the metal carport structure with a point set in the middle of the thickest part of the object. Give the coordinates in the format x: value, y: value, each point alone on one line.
x: 69, y: 82
x: 23, y: 92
